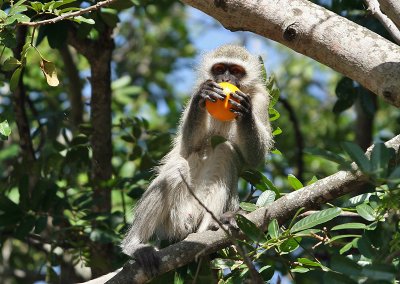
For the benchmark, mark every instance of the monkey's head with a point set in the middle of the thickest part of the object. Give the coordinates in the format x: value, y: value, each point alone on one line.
x: 233, y: 64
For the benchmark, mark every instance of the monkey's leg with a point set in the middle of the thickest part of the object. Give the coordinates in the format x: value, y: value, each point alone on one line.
x: 148, y: 215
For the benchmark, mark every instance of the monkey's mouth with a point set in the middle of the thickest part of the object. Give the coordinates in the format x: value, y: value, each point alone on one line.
x: 230, y: 82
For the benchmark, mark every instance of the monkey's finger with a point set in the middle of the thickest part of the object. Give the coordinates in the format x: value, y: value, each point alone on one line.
x: 242, y: 107
x: 216, y: 85
x: 215, y: 96
x: 211, y: 89
x: 239, y: 95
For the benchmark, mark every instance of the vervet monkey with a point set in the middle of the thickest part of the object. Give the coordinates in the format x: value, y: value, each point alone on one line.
x: 168, y: 210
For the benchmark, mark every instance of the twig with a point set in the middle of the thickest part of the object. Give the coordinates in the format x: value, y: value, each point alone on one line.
x: 374, y: 8
x: 298, y: 136
x: 67, y: 16
x: 255, y: 276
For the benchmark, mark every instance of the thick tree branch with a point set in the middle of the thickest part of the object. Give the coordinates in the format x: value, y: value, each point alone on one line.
x: 390, y: 26
x: 199, y: 244
x: 392, y: 9
x: 316, y: 32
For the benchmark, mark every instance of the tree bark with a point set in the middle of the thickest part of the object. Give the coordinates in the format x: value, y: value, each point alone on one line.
x: 200, y: 244
x: 314, y: 31
x: 75, y: 86
x: 392, y: 9
x: 99, y: 54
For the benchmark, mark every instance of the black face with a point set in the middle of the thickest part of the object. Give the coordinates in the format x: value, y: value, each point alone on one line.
x: 230, y: 73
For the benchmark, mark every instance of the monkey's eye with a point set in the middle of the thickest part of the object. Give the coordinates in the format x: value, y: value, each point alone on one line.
x: 218, y: 69
x: 237, y: 70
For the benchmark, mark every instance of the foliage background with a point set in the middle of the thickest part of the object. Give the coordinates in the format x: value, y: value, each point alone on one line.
x: 125, y: 72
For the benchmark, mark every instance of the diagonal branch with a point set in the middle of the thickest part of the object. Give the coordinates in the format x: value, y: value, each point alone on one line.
x: 390, y: 26
x: 392, y: 9
x: 316, y: 32
x: 204, y: 243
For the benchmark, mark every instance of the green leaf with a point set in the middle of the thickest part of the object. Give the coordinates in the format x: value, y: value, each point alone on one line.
x: 300, y: 269
x: 81, y: 19
x: 273, y: 114
x: 354, y: 201
x: 331, y: 156
x: 308, y: 262
x: 346, y: 93
x: 58, y: 4
x: 3, y: 15
x: 346, y: 248
x: 380, y: 272
x: 358, y: 156
x: 11, y: 64
x: 316, y: 219
x: 394, y: 178
x: 50, y: 72
x: 277, y: 131
x: 220, y: 263
x: 349, y: 226
x: 273, y: 229
x: 17, y: 9
x: 20, y: 18
x: 250, y: 207
x: 312, y: 180
x: 5, y: 129
x: 290, y: 245
x: 36, y: 5
x: 216, y: 140
x: 266, y: 198
x: 345, y: 265
x: 249, y: 228
x: 294, y: 182
x: 380, y: 157
x: 14, y: 81
x: 366, y: 211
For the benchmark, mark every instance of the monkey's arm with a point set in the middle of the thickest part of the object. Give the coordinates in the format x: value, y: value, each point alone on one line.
x: 254, y: 130
x: 193, y: 126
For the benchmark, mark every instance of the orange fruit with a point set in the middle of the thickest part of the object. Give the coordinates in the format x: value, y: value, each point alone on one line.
x: 220, y: 109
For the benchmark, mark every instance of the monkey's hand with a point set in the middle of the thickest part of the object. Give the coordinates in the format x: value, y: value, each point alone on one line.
x: 241, y: 104
x: 227, y: 219
x: 209, y: 90
x: 146, y: 256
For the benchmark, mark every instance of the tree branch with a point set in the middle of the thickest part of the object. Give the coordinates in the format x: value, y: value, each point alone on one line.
x: 199, y: 244
x: 67, y: 16
x: 392, y: 9
x: 374, y: 8
x: 316, y: 32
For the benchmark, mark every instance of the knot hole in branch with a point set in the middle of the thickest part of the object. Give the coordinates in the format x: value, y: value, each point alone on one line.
x: 291, y: 32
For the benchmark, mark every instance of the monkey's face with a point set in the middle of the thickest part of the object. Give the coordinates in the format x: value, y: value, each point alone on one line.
x: 231, y: 73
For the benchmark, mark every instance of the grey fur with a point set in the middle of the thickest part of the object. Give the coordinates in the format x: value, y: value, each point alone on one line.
x: 167, y: 210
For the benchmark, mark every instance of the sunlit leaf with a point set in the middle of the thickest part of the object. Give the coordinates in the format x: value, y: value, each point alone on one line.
x: 250, y: 207
x: 10, y: 64
x: 366, y: 211
x: 50, y: 72
x: 5, y: 129
x: 294, y: 182
x: 316, y: 219
x: 266, y: 198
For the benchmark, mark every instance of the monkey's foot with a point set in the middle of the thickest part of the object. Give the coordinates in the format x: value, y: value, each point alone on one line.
x: 148, y: 259
x: 227, y: 219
